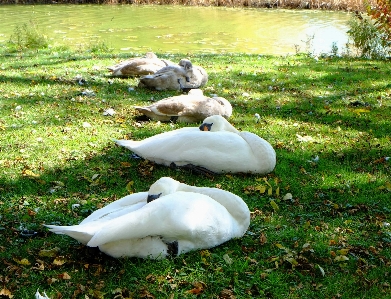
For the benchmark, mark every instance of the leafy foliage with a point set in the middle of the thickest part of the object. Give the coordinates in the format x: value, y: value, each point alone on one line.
x: 27, y: 36
x: 371, y: 40
x: 380, y: 11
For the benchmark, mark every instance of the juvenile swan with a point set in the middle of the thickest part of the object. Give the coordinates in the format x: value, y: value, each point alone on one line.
x: 192, y: 107
x: 183, y: 76
x: 171, y: 219
x: 139, y: 66
x: 216, y: 145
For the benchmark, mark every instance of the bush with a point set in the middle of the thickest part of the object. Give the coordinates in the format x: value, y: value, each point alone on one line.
x: 370, y: 40
x: 381, y: 13
x: 27, y: 36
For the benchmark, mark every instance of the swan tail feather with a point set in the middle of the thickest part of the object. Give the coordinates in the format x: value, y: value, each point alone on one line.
x: 82, y: 235
x: 126, y: 143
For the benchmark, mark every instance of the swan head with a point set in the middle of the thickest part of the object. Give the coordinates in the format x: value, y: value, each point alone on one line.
x: 186, y: 64
x: 162, y: 187
x: 216, y: 123
x: 150, y: 55
x: 195, y: 92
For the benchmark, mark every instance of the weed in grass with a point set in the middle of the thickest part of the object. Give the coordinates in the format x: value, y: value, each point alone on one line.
x: 27, y: 36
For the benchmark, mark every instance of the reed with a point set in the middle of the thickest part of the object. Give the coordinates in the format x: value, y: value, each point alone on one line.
x: 343, y: 5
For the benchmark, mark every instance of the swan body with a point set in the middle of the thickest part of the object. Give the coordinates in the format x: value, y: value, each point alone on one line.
x: 139, y: 66
x: 192, y: 107
x: 219, y: 149
x: 183, y: 76
x: 182, y: 218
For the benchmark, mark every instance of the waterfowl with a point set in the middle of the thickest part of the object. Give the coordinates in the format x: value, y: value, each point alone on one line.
x: 193, y: 107
x: 183, y: 76
x: 170, y: 219
x: 216, y: 146
x: 139, y: 66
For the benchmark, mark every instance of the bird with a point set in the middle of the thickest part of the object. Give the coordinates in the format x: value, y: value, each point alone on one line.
x: 39, y: 296
x: 216, y: 146
x: 139, y: 66
x: 193, y: 107
x: 170, y: 219
x: 183, y: 76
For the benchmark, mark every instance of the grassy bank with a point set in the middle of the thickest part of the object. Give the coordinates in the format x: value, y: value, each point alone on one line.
x: 328, y: 119
x: 347, y: 5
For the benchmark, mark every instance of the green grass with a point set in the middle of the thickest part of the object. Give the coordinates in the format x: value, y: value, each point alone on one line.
x: 331, y: 240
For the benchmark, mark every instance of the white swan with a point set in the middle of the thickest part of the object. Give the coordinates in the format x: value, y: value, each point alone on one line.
x: 192, y: 107
x: 183, y: 76
x: 139, y: 66
x: 171, y: 219
x: 216, y: 146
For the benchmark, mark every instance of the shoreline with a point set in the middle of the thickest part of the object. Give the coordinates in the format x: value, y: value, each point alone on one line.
x: 333, y: 5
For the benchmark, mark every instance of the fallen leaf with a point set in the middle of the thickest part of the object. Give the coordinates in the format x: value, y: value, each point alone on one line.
x: 320, y: 269
x: 274, y: 205
x: 29, y: 173
x: 6, y: 293
x: 261, y: 189
x: 343, y: 251
x: 39, y: 265
x: 205, y: 253
x: 199, y: 287
x: 64, y: 275
x: 341, y: 258
x: 304, y: 138
x: 227, y: 294
x: 23, y: 262
x: 95, y: 176
x: 129, y: 186
x: 287, y: 196
x: 291, y: 260
x: 126, y: 164
x: 59, y: 261
x: 49, y: 252
x: 227, y: 259
x: 263, y: 239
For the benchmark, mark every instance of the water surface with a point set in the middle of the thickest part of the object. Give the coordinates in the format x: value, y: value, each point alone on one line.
x: 181, y: 29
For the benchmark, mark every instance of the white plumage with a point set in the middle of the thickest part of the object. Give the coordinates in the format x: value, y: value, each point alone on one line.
x: 193, y: 107
x: 181, y: 219
x: 222, y: 149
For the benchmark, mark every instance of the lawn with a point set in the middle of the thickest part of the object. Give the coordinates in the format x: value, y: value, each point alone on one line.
x: 320, y: 222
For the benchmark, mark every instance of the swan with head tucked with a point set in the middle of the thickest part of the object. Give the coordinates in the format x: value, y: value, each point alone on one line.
x: 193, y: 107
x: 183, y: 76
x: 139, y: 66
x: 216, y: 145
x: 170, y: 219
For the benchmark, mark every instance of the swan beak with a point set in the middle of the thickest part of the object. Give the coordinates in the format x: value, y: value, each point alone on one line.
x: 152, y: 197
x: 206, y: 127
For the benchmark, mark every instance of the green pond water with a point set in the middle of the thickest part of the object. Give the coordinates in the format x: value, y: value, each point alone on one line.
x: 181, y: 29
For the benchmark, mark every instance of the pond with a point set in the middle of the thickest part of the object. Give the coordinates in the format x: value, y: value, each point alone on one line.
x: 182, y: 29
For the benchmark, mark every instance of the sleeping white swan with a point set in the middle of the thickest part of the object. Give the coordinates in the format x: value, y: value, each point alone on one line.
x: 193, y: 107
x: 216, y: 145
x: 171, y: 219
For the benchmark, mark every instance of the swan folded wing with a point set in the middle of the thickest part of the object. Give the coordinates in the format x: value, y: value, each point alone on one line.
x: 234, y: 204
x: 181, y: 215
x: 262, y: 150
x: 225, y: 152
x: 119, y: 207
